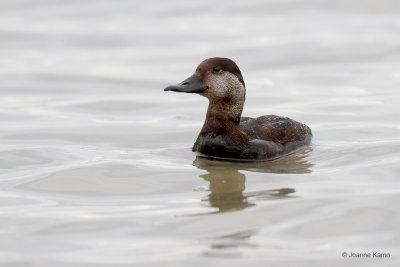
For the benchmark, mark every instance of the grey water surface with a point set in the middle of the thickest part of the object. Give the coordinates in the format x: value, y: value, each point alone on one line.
x: 96, y: 167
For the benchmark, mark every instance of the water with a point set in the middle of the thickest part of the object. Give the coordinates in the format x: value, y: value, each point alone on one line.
x: 95, y: 159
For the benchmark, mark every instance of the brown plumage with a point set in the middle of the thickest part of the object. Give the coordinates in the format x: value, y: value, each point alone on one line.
x: 227, y: 135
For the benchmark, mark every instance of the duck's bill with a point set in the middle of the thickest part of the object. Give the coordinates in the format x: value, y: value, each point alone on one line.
x: 193, y: 84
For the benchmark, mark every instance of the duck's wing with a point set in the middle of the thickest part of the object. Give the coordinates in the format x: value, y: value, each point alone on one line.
x: 277, y: 129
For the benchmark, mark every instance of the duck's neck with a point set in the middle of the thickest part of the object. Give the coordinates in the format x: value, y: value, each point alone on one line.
x: 221, y: 133
x: 222, y: 117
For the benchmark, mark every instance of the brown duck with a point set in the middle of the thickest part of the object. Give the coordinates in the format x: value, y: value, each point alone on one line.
x: 227, y: 135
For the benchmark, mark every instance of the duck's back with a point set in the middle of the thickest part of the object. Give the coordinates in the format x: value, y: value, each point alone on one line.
x: 275, y: 128
x: 273, y: 136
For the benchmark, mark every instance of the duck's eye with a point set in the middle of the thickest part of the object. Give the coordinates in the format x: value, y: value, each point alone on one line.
x: 216, y: 69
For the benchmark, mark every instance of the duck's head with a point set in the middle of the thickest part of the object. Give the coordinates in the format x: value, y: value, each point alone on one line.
x: 218, y: 79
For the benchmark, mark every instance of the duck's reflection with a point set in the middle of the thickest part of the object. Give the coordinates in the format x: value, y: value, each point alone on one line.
x: 227, y: 183
x: 226, y: 189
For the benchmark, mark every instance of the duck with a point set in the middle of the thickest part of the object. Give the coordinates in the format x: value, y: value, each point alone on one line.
x: 226, y: 135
